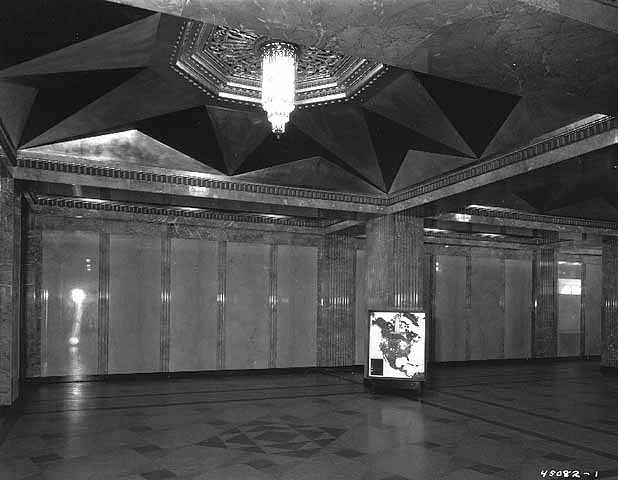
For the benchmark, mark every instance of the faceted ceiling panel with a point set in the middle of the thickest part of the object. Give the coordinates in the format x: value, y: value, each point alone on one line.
x: 130, y: 148
x: 75, y: 69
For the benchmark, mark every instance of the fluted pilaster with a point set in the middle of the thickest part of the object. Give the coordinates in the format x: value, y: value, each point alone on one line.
x: 545, y: 307
x: 395, y: 262
x: 336, y: 301
x: 609, y: 315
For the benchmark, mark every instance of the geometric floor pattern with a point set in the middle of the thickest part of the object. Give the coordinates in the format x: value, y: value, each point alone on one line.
x: 473, y: 423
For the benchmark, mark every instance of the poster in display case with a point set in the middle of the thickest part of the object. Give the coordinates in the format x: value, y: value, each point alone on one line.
x: 396, y: 345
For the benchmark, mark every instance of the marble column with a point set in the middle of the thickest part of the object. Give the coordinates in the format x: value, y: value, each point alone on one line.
x: 10, y: 245
x: 609, y: 312
x: 545, y: 303
x: 336, y: 301
x: 395, y: 262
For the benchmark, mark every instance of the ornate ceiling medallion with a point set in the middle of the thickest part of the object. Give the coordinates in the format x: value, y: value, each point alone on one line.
x: 228, y: 64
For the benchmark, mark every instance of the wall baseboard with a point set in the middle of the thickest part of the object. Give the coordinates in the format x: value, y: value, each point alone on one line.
x: 193, y: 374
x: 515, y: 361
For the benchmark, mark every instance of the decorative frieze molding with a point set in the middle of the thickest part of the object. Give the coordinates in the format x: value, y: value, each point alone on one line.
x: 181, y: 212
x: 493, y: 164
x: 378, y: 204
x: 505, y: 213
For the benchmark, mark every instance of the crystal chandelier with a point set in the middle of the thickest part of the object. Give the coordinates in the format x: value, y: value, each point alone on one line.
x: 278, y: 82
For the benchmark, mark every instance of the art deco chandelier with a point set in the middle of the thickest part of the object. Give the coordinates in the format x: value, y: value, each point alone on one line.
x: 278, y: 82
x: 244, y: 68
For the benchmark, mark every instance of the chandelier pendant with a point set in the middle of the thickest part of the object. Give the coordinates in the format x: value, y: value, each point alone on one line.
x: 279, y: 60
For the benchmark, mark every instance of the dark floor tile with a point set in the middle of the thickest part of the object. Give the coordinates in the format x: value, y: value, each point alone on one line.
x: 158, y: 475
x: 147, y: 448
x: 349, y: 453
x: 261, y: 463
x: 242, y: 439
x: 443, y: 420
x: 214, y: 442
x: 430, y: 445
x: 139, y: 429
x: 52, y: 436
x: 50, y: 457
x: 558, y: 457
x: 217, y: 422
x: 484, y: 468
x: 277, y: 436
x: 493, y: 436
x: 348, y: 412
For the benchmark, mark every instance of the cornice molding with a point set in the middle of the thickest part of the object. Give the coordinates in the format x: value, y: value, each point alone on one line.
x: 421, y: 193
x: 507, y: 214
x: 496, y: 163
x: 34, y: 163
x: 175, y: 212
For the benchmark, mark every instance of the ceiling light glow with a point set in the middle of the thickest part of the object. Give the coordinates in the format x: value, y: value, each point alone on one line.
x: 278, y: 82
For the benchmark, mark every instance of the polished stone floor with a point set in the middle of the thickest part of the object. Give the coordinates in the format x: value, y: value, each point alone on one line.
x: 490, y: 422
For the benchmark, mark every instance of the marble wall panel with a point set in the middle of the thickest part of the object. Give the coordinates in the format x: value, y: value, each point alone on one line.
x: 247, y: 312
x: 193, y: 305
x: 362, y: 329
x: 486, y: 340
x: 297, y: 293
x: 517, y: 308
x: 450, y: 308
x: 592, y: 305
x: 70, y: 292
x: 134, y: 304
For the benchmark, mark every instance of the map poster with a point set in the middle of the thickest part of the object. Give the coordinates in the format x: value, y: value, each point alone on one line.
x: 397, y: 345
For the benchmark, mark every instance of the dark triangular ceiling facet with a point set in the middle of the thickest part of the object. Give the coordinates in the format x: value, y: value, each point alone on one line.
x: 239, y: 133
x: 293, y: 145
x: 391, y: 141
x: 407, y: 102
x: 476, y: 112
x: 190, y: 132
x: 31, y: 28
x: 60, y: 95
x: 129, y: 46
x: 341, y: 128
x: 311, y: 173
x: 420, y: 166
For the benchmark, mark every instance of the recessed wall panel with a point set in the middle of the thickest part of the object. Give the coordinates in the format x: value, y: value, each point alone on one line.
x: 193, y: 305
x: 486, y: 337
x: 297, y: 292
x: 134, y: 304
x: 517, y: 308
x: 450, y: 307
x: 592, y: 305
x: 361, y: 307
x: 70, y: 287
x: 247, y: 315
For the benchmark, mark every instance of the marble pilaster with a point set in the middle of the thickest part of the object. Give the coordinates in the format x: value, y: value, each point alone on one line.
x: 336, y: 301
x: 545, y: 307
x: 10, y: 254
x: 395, y: 262
x: 609, y: 311
x: 32, y: 300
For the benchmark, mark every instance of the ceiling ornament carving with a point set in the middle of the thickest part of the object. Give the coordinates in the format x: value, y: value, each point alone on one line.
x: 226, y: 63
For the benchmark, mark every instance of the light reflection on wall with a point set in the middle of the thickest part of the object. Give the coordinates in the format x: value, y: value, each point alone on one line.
x: 78, y: 296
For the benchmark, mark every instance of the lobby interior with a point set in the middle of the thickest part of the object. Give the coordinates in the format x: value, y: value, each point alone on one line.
x: 185, y: 294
